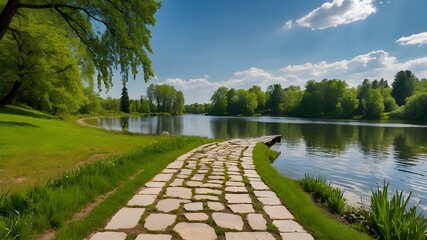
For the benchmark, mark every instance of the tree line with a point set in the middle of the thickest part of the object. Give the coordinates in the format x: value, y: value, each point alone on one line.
x: 406, y: 98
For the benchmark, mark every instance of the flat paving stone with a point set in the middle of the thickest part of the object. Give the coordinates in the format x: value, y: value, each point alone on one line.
x: 125, y: 218
x: 257, y: 222
x: 266, y: 194
x: 167, y: 205
x: 296, y: 236
x: 152, y: 191
x: 241, y: 208
x: 196, y: 216
x: 211, y: 185
x: 278, y: 212
x: 193, y: 207
x: 270, y: 201
x: 235, y: 184
x: 249, y: 236
x: 162, y: 177
x: 236, y: 178
x: 109, y: 236
x: 142, y: 200
x: 176, y: 164
x: 198, y: 177
x: 206, y: 197
x: 159, y: 221
x: 179, y: 192
x: 146, y: 236
x: 177, y: 182
x: 170, y: 170
x: 208, y: 191
x: 238, y: 198
x: 259, y: 185
x: 195, y: 231
x: 236, y: 189
x: 155, y: 184
x: 194, y: 183
x: 288, y: 226
x: 216, y: 206
x: 228, y: 220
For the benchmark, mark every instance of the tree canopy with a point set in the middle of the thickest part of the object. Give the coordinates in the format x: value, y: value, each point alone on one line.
x: 111, y: 35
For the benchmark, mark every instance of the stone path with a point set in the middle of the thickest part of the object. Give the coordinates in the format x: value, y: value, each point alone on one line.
x: 211, y: 192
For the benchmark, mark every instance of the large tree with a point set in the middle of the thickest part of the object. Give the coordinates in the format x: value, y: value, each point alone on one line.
x: 124, y: 100
x: 115, y: 33
x: 403, y: 86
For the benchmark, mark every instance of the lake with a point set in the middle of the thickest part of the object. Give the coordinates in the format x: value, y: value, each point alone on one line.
x: 354, y: 155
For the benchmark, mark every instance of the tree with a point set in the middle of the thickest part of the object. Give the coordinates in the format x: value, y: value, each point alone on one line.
x: 232, y: 102
x: 178, y: 105
x: 144, y: 106
x: 114, y: 33
x: 276, y: 98
x: 247, y: 102
x: 292, y: 99
x: 348, y: 103
x: 124, y: 100
x: 219, y: 101
x: 403, y: 86
x: 261, y: 97
x: 41, y: 67
x: 416, y: 107
x: 374, y: 104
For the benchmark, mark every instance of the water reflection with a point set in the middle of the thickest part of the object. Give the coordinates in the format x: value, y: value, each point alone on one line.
x: 354, y: 155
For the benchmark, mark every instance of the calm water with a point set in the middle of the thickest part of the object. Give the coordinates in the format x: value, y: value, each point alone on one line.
x: 353, y: 155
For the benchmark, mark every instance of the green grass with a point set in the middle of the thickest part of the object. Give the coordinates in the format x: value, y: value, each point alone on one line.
x: 323, y: 192
x: 34, y: 148
x: 50, y: 169
x: 390, y: 219
x: 313, y: 218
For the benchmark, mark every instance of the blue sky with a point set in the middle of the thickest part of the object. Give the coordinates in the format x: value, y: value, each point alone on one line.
x: 201, y: 45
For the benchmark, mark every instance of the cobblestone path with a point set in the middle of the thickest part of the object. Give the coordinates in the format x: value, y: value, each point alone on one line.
x: 211, y: 192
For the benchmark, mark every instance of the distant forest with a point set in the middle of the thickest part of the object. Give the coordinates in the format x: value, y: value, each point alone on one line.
x: 405, y: 98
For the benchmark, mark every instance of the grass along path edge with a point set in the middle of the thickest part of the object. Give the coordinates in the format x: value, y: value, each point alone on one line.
x: 99, y: 216
x: 313, y: 218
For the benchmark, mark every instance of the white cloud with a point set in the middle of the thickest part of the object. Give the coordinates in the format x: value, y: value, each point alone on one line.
x: 288, y: 24
x: 419, y: 39
x: 338, y: 12
x: 373, y: 65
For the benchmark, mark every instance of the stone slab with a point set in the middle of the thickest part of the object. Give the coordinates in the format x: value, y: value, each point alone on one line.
x: 288, y: 226
x: 194, y: 183
x: 206, y: 197
x: 259, y: 185
x: 278, y: 212
x: 208, y: 191
x: 151, y: 191
x: 125, y: 218
x: 179, y: 192
x: 296, y: 236
x: 241, y: 208
x: 109, y: 236
x: 228, y: 220
x: 270, y: 201
x: 162, y: 177
x: 196, y: 216
x: 152, y: 184
x: 216, y: 206
x: 235, y: 184
x: 142, y: 200
x: 249, y: 236
x: 257, y: 222
x: 177, y: 182
x: 167, y: 205
x: 238, y: 198
x: 193, y: 207
x: 195, y: 231
x: 236, y: 189
x: 159, y: 221
x: 146, y: 236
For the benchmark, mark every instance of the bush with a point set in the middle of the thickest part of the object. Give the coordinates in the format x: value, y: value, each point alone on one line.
x: 330, y: 197
x: 390, y: 220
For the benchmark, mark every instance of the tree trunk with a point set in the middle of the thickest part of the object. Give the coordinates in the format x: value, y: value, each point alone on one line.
x: 11, y: 95
x: 7, y: 14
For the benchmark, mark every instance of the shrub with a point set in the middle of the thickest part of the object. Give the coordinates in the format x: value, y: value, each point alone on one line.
x: 330, y: 197
x: 390, y: 220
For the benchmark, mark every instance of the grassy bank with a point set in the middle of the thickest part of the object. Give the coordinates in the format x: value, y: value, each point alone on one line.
x: 37, y: 148
x: 313, y: 218
x: 34, y: 148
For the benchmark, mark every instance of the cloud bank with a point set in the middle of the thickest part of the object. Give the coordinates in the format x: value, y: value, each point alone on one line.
x: 414, y: 39
x: 335, y: 13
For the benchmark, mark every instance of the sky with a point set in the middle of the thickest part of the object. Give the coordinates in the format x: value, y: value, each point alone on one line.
x: 200, y: 45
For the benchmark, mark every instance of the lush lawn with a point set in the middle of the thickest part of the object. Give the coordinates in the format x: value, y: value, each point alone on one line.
x: 313, y: 218
x: 34, y: 149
